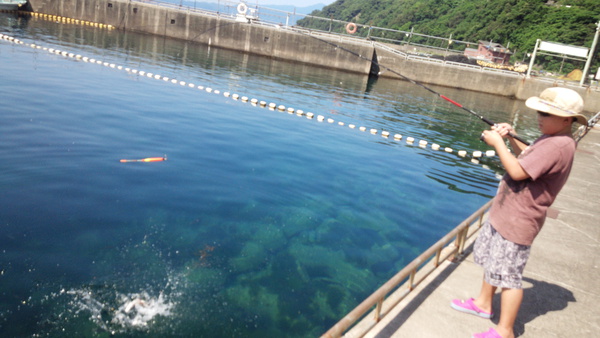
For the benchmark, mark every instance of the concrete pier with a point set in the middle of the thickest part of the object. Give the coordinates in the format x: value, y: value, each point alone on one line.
x: 561, y: 293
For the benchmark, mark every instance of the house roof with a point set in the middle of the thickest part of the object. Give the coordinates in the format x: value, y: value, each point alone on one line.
x: 495, y: 47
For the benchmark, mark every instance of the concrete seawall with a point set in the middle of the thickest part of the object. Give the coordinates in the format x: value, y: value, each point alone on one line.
x: 279, y: 43
x: 269, y: 41
x: 475, y: 80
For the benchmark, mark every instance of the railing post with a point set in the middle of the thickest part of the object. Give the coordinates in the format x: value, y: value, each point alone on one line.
x: 378, y: 310
x: 463, y: 239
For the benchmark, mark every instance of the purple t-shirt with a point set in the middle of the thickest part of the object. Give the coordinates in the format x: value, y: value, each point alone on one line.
x: 519, y: 209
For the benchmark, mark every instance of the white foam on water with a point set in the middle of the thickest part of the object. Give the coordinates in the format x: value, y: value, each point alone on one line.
x: 137, y: 310
x: 120, y: 312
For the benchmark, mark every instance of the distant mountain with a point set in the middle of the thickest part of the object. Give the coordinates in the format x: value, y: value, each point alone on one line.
x: 516, y: 22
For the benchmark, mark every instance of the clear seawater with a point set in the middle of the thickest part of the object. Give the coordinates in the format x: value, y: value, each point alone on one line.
x: 260, y: 223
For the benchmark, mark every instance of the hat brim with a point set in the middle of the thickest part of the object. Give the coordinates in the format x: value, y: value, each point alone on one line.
x: 542, y: 105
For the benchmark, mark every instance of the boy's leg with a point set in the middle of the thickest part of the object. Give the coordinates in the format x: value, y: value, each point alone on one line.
x: 486, y: 295
x: 509, y: 306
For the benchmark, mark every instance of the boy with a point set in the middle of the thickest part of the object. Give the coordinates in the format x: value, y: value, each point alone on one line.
x: 534, y: 176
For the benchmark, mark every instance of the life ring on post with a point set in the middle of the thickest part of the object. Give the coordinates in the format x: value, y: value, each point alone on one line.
x: 351, y: 28
x: 242, y: 8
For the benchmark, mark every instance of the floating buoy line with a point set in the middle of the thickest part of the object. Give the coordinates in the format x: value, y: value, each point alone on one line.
x: 475, y: 156
x: 65, y: 20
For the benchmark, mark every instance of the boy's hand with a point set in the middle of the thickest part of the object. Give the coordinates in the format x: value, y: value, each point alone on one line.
x: 504, y: 129
x: 492, y: 137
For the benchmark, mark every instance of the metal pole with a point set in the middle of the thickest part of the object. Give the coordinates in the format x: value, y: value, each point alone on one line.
x: 537, y: 43
x: 586, y: 69
x: 448, y: 46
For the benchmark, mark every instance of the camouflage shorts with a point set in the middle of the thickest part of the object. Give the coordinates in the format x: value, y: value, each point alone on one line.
x: 503, y: 261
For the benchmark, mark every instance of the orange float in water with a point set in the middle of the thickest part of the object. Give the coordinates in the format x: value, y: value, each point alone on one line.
x: 149, y: 159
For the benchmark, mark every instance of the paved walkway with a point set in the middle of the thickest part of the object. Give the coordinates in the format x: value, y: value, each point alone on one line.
x: 562, y: 278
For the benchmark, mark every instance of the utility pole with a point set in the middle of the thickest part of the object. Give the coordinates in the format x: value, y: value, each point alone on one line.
x: 586, y: 69
x: 448, y: 46
x: 537, y: 43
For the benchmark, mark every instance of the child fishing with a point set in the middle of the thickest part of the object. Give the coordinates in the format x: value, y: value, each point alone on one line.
x: 534, y: 176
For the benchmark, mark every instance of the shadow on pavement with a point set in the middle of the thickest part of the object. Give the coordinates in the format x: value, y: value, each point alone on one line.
x: 539, y: 299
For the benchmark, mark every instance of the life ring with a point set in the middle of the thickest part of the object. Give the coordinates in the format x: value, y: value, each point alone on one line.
x: 242, y: 8
x: 351, y: 28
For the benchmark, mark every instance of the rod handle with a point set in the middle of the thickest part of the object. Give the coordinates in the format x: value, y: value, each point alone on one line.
x: 518, y: 138
x: 487, y: 121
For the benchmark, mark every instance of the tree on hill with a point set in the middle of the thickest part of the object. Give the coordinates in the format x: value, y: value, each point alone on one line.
x: 518, y: 23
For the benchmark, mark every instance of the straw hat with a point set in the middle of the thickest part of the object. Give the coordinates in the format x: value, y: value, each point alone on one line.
x: 560, y: 102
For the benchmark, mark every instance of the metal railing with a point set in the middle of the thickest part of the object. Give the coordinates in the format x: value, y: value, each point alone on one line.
x: 390, y: 49
x: 225, y: 8
x: 583, y: 130
x: 406, y: 56
x: 448, y: 247
x: 330, y: 36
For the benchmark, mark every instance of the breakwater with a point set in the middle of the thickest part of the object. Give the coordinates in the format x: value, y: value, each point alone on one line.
x: 282, y: 42
x: 215, y: 30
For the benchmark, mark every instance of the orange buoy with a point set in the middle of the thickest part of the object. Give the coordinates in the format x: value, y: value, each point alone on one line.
x: 351, y: 28
x: 149, y: 159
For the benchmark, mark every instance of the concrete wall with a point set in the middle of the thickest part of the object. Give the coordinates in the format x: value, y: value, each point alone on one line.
x: 257, y: 39
x: 274, y: 42
x: 474, y: 80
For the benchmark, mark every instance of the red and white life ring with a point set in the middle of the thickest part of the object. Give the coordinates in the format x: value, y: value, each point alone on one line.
x: 242, y: 8
x: 351, y: 28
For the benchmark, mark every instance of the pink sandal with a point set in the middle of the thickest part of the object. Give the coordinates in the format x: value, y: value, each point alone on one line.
x: 468, y: 307
x: 491, y: 333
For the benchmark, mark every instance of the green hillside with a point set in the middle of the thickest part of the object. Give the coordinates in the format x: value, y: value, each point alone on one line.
x: 517, y: 23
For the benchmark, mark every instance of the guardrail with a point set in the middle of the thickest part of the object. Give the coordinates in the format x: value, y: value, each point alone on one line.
x: 463, y: 65
x: 411, y: 275
x: 445, y: 63
x: 390, y: 49
x: 583, y: 130
x: 330, y: 36
x: 501, y: 71
x: 424, y: 59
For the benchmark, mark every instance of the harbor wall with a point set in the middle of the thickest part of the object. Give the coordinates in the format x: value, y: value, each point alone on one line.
x: 265, y: 40
x: 276, y: 42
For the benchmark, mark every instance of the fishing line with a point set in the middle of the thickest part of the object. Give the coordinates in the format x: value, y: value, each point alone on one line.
x: 472, y: 112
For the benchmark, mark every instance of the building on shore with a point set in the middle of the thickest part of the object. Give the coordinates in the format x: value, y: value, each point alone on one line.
x: 490, y: 51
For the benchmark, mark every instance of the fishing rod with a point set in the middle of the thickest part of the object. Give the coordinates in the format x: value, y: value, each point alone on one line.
x: 472, y: 112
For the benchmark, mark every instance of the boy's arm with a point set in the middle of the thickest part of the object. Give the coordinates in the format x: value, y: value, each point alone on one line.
x: 505, y: 130
x: 516, y: 145
x: 509, y: 161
